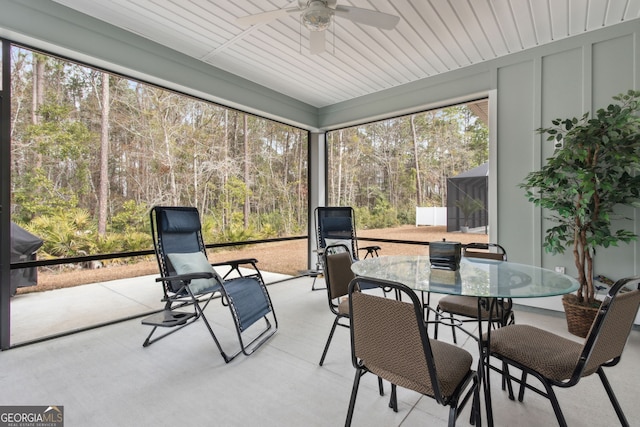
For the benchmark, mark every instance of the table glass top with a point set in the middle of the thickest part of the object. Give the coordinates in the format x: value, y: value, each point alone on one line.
x: 475, y: 277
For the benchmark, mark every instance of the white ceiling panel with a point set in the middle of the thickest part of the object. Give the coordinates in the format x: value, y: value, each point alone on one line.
x: 431, y: 37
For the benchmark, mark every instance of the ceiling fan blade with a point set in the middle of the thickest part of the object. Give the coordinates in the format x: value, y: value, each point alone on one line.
x: 264, y: 17
x: 316, y: 42
x: 368, y: 17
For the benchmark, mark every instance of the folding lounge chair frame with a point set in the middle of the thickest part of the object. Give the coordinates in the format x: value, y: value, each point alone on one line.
x: 336, y: 225
x: 178, y: 230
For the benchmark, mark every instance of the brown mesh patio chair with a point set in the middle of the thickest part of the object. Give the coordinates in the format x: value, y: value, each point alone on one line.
x: 390, y: 340
x: 338, y: 274
x: 456, y: 306
x: 557, y: 361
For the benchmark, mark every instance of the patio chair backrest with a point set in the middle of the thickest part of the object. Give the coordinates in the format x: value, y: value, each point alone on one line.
x: 336, y: 225
x: 611, y: 327
x: 175, y: 230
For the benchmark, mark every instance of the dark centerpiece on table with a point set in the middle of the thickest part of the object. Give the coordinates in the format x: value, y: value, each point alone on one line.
x: 445, y: 255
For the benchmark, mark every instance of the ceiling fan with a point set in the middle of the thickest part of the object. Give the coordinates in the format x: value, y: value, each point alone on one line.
x: 316, y: 16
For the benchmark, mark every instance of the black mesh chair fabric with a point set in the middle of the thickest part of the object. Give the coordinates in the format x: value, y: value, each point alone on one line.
x: 336, y: 225
x: 175, y: 231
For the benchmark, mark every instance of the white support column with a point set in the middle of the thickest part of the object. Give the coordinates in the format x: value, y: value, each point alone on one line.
x: 317, y: 187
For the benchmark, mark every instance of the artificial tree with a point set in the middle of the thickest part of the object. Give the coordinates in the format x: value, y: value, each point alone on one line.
x: 592, y: 173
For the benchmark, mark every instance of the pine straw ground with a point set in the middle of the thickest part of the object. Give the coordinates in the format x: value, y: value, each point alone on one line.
x: 288, y: 257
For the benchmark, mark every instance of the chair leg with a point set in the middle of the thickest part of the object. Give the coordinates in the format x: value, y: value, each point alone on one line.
x: 393, y: 400
x: 326, y: 347
x: 475, y: 405
x: 453, y: 414
x: 523, y: 382
x: 250, y: 347
x: 148, y: 341
x: 506, y: 380
x: 612, y: 397
x: 199, y: 313
x: 453, y: 331
x: 426, y: 304
x: 380, y: 386
x: 213, y: 335
x: 319, y: 271
x: 556, y: 405
x: 354, y: 393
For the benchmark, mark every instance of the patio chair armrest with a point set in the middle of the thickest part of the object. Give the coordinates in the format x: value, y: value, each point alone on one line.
x: 234, y: 266
x: 236, y: 262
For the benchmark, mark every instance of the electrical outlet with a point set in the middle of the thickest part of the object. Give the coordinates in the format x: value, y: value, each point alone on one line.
x: 559, y: 269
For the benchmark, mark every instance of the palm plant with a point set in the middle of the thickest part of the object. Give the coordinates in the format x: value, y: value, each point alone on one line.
x: 468, y: 206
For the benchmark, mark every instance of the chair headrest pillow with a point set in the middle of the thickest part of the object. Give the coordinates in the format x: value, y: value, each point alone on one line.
x: 179, y: 221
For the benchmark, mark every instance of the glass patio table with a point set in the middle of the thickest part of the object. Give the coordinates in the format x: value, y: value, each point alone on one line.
x: 475, y: 277
x: 488, y: 280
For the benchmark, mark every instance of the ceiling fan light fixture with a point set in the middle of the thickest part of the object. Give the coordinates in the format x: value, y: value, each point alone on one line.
x: 317, y: 17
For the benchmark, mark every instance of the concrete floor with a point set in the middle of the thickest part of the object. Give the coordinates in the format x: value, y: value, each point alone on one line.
x: 104, y: 377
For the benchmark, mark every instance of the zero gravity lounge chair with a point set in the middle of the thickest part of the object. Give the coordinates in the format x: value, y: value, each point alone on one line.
x: 190, y: 283
x: 335, y: 226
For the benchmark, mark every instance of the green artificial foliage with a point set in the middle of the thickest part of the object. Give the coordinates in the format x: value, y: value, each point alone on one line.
x: 593, y: 172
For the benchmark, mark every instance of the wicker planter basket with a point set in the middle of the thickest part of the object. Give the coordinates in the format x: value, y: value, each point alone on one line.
x: 579, y: 317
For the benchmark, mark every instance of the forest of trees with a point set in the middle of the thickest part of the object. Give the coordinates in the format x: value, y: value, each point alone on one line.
x: 92, y: 152
x: 386, y: 169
